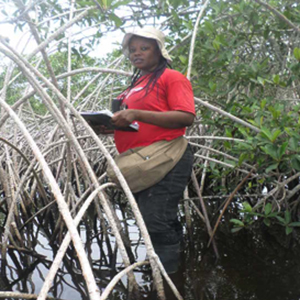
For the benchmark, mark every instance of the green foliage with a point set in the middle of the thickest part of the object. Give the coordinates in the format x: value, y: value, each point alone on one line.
x: 238, y: 66
x: 297, y: 53
x: 269, y: 218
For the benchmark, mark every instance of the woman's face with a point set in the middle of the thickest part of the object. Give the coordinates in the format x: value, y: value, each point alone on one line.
x: 144, y: 54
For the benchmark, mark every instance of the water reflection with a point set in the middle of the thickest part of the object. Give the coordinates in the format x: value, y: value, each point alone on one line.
x: 261, y: 267
x: 257, y: 268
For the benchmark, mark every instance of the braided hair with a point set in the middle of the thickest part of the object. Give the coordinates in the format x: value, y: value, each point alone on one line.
x: 152, y: 80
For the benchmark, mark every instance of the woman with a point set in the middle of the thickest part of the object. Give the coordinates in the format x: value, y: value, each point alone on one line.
x: 161, y: 101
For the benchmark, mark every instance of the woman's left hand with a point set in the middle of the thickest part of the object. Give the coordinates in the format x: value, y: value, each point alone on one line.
x: 123, y: 118
x: 167, y: 119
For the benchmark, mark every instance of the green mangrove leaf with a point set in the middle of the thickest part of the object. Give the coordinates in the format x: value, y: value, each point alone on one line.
x: 216, y: 44
x: 209, y: 26
x: 276, y: 79
x: 276, y: 134
x: 118, y: 22
x: 236, y: 229
x: 246, y: 206
x: 212, y: 85
x: 261, y: 120
x: 295, y: 161
x: 120, y: 3
x: 288, y: 131
x: 261, y: 81
x: 271, y: 167
x: 104, y: 4
x: 271, y: 150
x: 228, y: 132
x: 275, y: 112
x: 237, y: 222
x: 266, y: 133
x: 263, y: 103
x: 288, y: 230
x: 244, y: 146
x: 242, y: 158
x: 280, y: 219
x: 297, y: 53
x: 294, y: 144
x: 183, y: 59
x: 268, y: 209
x: 273, y: 214
x: 227, y: 145
x: 267, y: 222
x: 282, y: 149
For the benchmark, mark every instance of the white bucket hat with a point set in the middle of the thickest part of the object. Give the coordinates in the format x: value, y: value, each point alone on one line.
x: 149, y: 33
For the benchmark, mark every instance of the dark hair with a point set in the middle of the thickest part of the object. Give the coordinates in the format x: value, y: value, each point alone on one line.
x: 152, y: 80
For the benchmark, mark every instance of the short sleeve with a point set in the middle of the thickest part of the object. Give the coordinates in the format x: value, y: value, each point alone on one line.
x: 179, y: 92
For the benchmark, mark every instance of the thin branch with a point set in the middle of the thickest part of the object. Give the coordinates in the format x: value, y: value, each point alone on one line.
x: 219, y: 162
x: 190, y: 63
x: 66, y: 241
x: 221, y: 153
x: 218, y: 138
x: 115, y: 280
x: 94, y: 69
x: 188, y: 200
x: 226, y: 114
x: 157, y: 267
x: 58, y: 32
x: 207, y: 222
x: 87, y: 271
x: 278, y: 14
x: 17, y: 295
x: 227, y: 203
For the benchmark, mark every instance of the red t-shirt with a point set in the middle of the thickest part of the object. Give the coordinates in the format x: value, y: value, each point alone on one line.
x: 173, y: 91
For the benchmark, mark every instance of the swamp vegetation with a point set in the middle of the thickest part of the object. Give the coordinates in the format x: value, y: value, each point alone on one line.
x: 69, y: 233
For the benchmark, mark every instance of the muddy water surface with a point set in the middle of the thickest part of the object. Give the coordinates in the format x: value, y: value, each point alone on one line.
x: 265, y: 266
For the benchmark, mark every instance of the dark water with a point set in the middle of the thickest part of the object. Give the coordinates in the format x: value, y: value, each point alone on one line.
x: 260, y: 266
x: 264, y: 267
